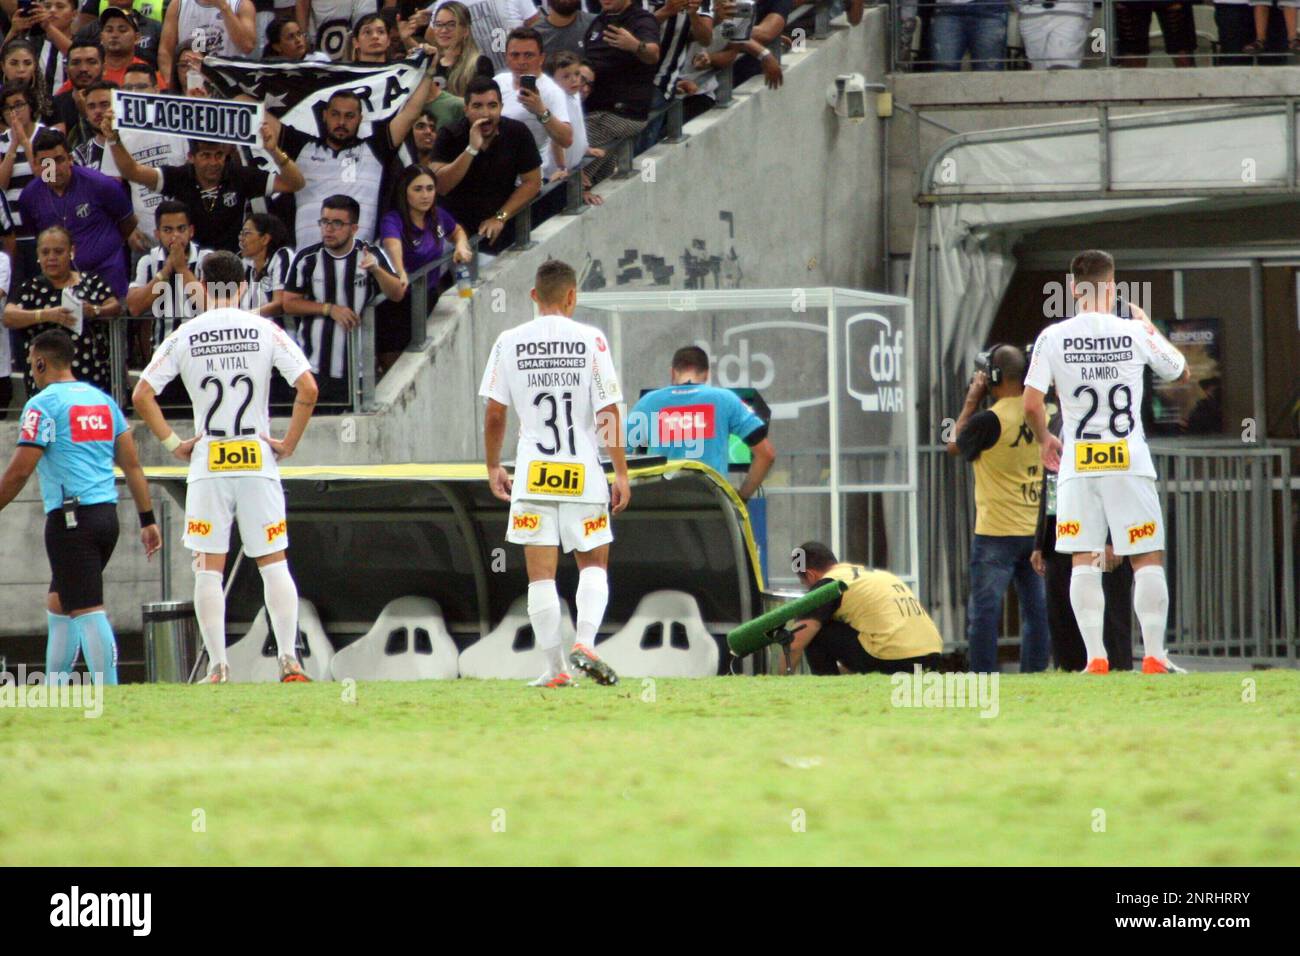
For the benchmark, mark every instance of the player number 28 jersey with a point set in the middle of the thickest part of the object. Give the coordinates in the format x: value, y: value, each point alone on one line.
x: 556, y: 373
x: 226, y: 358
x: 1096, y: 362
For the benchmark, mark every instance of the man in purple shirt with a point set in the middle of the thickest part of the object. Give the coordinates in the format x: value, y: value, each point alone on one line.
x: 94, y: 208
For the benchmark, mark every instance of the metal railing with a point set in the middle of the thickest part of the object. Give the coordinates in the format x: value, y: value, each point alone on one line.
x: 1230, y: 517
x: 1097, y: 46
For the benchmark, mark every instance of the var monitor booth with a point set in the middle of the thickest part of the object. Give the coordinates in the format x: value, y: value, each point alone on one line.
x: 405, y: 574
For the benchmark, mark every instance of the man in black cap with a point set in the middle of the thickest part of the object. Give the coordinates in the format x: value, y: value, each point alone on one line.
x: 147, y: 31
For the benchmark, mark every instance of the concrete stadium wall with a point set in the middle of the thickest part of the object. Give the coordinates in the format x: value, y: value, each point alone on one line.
x: 774, y: 191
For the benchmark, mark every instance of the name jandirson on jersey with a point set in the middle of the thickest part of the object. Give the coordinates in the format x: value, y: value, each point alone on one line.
x: 526, y: 365
x: 554, y: 380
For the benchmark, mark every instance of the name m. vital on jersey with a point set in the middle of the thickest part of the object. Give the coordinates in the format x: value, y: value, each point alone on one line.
x: 1104, y: 352
x: 544, y: 369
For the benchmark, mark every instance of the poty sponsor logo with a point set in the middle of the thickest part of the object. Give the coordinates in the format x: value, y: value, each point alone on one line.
x: 525, y: 522
x: 591, y: 525
x: 198, y: 528
x: 31, y: 424
x: 276, y: 530
x: 1140, y: 531
x: 1067, y: 529
x: 91, y: 423
x: 74, y: 908
x: 35, y: 690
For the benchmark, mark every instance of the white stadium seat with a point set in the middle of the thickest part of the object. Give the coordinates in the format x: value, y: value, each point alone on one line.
x: 509, y: 651
x: 665, y: 637
x: 410, y: 641
x: 254, y: 659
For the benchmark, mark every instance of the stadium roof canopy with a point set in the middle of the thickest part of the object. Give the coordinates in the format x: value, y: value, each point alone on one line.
x: 983, y: 192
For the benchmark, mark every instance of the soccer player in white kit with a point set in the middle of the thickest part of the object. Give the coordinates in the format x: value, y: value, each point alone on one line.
x: 226, y: 356
x: 1105, y: 477
x: 559, y: 377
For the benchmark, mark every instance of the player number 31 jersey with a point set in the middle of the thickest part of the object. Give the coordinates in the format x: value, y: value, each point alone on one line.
x: 556, y: 373
x: 1096, y: 362
x: 226, y: 358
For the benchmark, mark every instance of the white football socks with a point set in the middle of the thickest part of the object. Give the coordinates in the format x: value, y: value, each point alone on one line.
x: 210, y: 609
x: 544, y: 614
x: 593, y: 595
x: 1089, y: 603
x: 280, y: 595
x: 1151, y: 604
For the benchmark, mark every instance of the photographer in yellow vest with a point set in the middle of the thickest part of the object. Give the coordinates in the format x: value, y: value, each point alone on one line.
x: 1008, y: 477
x: 875, y: 626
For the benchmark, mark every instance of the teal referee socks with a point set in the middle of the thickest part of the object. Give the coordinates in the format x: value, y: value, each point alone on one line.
x: 98, y: 644
x: 60, y: 649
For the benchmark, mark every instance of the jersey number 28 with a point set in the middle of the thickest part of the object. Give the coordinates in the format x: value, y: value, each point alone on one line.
x: 1121, y: 416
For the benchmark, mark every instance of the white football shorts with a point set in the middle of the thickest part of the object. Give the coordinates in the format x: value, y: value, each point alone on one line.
x: 212, y: 505
x: 574, y: 525
x: 1125, y: 505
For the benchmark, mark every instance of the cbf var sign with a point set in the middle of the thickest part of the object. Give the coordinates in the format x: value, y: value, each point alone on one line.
x: 189, y: 117
x: 880, y: 389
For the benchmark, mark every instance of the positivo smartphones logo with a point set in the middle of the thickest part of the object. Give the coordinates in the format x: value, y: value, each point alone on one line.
x: 877, y: 384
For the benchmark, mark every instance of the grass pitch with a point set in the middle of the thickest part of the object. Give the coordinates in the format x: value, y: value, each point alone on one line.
x: 719, y: 771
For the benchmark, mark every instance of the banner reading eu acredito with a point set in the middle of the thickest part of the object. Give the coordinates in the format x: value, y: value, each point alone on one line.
x: 214, y: 121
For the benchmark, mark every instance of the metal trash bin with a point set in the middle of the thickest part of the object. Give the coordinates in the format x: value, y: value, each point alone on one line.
x: 171, y: 641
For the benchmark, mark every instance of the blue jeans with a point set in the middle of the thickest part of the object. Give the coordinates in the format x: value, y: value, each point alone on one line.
x: 974, y: 28
x: 996, y: 562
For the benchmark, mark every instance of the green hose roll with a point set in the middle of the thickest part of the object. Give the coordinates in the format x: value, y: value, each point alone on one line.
x: 762, y: 630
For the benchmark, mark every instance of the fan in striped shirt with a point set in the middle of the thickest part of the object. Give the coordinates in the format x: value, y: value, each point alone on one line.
x: 20, y: 128
x: 167, y: 283
x: 681, y: 22
x: 263, y: 242
x: 330, y: 283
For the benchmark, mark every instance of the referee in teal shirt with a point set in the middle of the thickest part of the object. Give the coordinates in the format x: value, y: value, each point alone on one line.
x: 70, y: 435
x: 694, y: 420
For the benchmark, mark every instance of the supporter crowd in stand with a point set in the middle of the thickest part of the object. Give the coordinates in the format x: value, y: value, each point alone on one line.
x: 940, y: 35
x: 516, y: 97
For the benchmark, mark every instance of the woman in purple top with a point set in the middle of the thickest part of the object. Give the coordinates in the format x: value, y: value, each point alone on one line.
x: 414, y: 232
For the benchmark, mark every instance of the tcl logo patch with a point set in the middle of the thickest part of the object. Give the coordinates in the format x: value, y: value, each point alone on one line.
x: 276, y: 530
x: 1067, y: 529
x: 591, y: 525
x: 200, y: 529
x: 31, y: 424
x: 1139, y: 531
x: 686, y: 423
x: 525, y: 522
x: 91, y: 423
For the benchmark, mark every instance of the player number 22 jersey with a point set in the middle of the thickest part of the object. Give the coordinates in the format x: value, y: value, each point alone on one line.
x: 1096, y: 362
x: 226, y: 358
x: 556, y: 373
